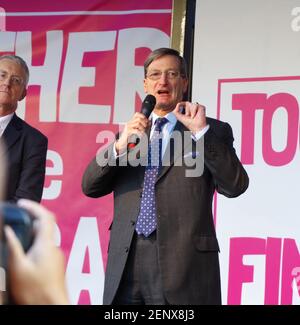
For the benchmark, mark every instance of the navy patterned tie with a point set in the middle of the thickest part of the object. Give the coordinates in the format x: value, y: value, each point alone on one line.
x: 146, y: 222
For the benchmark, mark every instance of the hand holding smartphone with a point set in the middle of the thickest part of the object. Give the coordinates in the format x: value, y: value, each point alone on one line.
x: 21, y: 223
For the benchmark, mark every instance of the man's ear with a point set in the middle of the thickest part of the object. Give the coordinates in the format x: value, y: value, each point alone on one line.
x: 23, y: 94
x: 185, y: 85
x: 145, y: 86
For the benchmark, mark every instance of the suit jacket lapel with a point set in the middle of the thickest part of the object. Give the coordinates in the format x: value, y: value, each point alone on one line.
x: 12, y: 132
x: 171, y: 155
x: 141, y: 172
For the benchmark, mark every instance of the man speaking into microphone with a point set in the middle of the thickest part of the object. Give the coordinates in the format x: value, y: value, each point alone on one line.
x: 163, y: 247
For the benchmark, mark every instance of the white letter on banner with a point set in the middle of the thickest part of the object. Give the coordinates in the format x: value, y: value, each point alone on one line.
x: 129, y: 79
x: 53, y: 191
x: 7, y: 41
x: 86, y: 239
x: 24, y: 49
x: 46, y: 75
x: 2, y: 20
x: 76, y: 76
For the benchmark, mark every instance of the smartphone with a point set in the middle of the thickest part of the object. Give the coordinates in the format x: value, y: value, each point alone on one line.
x: 21, y: 223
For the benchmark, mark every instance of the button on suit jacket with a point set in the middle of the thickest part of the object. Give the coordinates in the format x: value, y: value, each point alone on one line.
x: 186, y: 237
x: 25, y: 152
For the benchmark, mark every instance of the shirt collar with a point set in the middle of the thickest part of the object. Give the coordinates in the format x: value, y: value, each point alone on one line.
x: 170, y: 116
x: 4, y: 120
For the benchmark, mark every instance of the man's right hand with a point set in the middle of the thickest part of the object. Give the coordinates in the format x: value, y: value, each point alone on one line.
x: 134, y: 128
x: 38, y: 276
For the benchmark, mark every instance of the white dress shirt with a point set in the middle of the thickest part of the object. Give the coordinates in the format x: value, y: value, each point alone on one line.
x: 166, y: 131
x: 4, y: 120
x: 168, y: 128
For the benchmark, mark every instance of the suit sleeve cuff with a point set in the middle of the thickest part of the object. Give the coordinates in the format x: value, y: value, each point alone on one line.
x: 200, y: 133
x: 115, y: 154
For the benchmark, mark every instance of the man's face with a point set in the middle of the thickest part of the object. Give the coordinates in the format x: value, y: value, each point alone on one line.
x: 165, y: 82
x: 12, y: 86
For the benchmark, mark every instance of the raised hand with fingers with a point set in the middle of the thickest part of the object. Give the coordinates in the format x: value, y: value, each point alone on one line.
x: 191, y: 115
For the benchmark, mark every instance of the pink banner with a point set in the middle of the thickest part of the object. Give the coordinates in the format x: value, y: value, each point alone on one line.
x: 86, y: 63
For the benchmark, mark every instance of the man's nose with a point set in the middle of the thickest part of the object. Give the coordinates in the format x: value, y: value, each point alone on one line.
x: 163, y: 78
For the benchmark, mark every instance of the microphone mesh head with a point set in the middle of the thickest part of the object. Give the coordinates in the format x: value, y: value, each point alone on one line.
x: 148, y: 105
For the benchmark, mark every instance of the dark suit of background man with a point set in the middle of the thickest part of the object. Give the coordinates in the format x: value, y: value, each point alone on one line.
x: 26, y: 147
x: 177, y: 263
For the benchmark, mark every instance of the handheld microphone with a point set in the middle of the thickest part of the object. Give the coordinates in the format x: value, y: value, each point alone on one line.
x: 148, y: 105
x: 146, y: 109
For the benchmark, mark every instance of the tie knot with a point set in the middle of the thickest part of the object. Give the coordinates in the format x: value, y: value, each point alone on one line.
x: 159, y: 123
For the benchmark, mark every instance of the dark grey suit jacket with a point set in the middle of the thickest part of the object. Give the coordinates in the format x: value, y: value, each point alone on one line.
x: 25, y: 152
x: 188, y: 248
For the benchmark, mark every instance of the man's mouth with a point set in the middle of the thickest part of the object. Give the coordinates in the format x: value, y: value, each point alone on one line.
x: 163, y: 92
